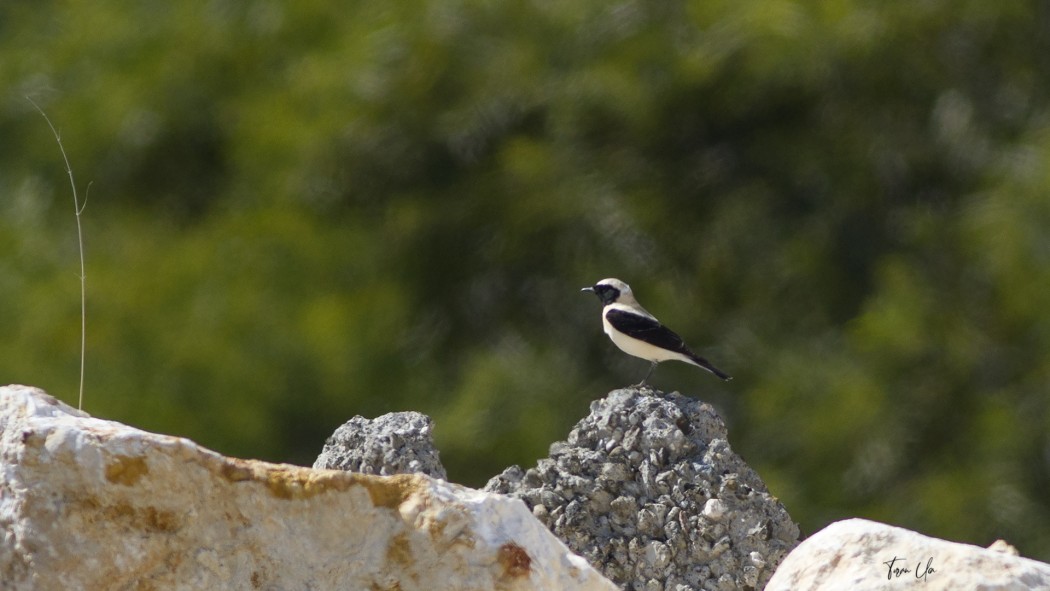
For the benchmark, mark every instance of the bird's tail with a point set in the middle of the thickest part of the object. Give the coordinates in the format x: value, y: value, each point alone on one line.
x: 701, y: 362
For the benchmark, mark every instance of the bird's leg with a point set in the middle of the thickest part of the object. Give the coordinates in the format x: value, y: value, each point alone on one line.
x: 647, y: 374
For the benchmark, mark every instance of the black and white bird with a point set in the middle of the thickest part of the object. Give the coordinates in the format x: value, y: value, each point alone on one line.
x: 637, y: 332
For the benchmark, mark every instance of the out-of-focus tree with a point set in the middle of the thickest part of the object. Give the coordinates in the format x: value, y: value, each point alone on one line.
x: 305, y: 212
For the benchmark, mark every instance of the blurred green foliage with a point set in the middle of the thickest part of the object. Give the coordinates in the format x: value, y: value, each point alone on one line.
x: 302, y: 212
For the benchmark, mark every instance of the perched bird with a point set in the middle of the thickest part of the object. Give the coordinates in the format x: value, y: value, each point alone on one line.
x: 637, y: 332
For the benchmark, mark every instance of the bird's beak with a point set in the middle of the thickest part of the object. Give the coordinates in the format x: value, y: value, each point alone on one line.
x: 590, y: 289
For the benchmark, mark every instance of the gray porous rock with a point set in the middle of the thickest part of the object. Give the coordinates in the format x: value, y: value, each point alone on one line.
x: 648, y: 490
x: 395, y: 443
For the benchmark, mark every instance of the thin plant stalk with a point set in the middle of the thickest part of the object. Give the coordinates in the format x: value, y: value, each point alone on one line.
x: 79, y: 209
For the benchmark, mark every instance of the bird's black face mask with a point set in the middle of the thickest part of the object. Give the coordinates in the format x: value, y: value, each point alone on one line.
x: 606, y: 293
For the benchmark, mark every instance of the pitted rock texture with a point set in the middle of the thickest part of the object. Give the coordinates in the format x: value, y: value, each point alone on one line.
x: 395, y: 443
x: 649, y: 491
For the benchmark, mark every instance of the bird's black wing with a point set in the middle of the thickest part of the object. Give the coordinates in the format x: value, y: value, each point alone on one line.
x: 646, y: 329
x: 650, y: 331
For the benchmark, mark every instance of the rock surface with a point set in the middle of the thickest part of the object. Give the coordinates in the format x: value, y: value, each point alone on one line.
x: 863, y: 555
x: 395, y: 443
x: 93, y: 504
x: 649, y: 491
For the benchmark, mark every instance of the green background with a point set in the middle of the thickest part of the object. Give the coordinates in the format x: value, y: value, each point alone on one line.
x: 304, y: 211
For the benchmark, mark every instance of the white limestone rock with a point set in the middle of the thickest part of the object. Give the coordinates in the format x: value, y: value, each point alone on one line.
x: 865, y: 555
x: 93, y: 504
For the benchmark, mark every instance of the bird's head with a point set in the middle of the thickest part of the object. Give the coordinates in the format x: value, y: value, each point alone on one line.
x: 610, y: 291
